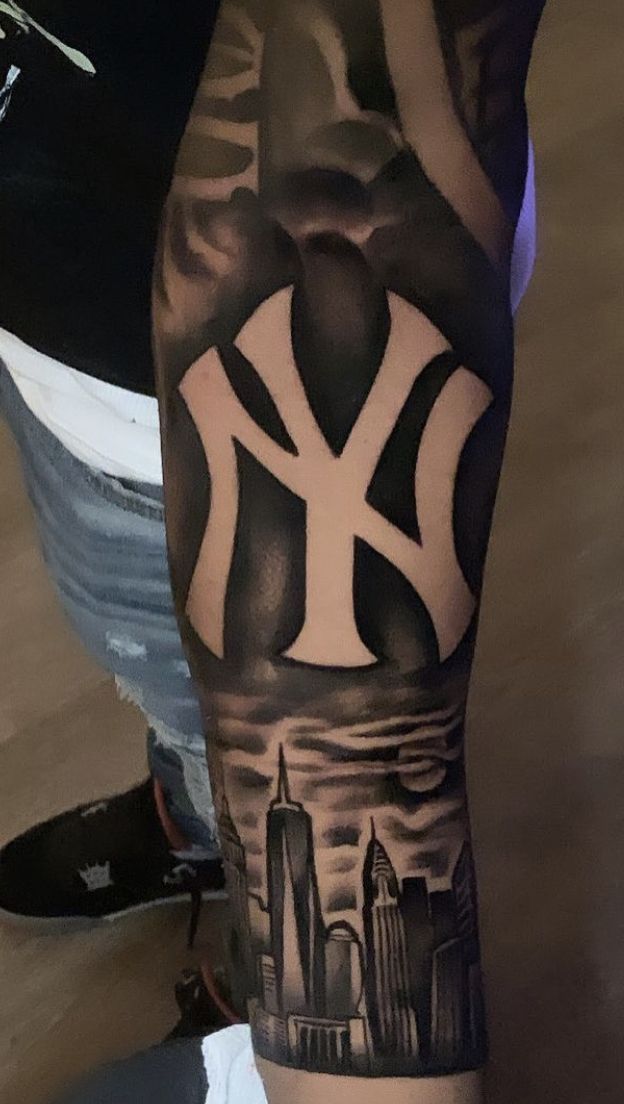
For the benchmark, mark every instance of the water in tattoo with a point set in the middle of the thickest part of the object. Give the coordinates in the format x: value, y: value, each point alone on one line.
x: 335, y: 362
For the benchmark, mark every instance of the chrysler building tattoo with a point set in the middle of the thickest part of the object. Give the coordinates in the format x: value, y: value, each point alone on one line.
x: 334, y: 344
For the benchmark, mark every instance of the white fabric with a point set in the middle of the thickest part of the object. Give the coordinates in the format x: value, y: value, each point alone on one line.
x: 116, y: 430
x: 231, y: 1069
x: 106, y: 427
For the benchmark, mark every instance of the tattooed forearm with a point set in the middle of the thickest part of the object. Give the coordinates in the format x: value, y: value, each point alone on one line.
x: 334, y: 343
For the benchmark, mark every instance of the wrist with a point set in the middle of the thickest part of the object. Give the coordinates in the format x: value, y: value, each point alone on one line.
x: 292, y: 1085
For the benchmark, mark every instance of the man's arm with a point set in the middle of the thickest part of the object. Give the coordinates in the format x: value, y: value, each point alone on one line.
x: 334, y: 346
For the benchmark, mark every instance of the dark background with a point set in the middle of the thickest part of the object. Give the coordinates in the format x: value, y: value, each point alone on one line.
x: 85, y: 162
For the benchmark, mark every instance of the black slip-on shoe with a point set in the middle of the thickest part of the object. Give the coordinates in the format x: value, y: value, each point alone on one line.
x: 101, y: 861
x: 172, y: 1073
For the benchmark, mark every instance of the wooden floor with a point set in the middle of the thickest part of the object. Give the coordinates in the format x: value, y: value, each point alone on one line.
x: 547, y: 712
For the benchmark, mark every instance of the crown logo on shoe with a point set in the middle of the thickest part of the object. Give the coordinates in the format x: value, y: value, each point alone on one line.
x: 96, y: 876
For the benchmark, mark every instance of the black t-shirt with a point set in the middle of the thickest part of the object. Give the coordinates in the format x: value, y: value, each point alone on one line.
x: 85, y: 163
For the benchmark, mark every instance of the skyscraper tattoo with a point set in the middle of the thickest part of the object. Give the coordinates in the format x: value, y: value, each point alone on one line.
x: 334, y: 342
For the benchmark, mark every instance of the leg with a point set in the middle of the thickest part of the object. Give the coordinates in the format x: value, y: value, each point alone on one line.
x: 104, y: 546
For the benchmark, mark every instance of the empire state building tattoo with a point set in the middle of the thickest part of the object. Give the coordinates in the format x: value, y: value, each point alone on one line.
x: 335, y: 351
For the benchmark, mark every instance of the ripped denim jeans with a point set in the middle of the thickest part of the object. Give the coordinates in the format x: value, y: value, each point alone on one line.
x: 103, y: 542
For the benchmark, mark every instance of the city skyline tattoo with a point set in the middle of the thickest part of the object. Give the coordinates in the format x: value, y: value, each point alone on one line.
x: 335, y: 349
x: 396, y: 992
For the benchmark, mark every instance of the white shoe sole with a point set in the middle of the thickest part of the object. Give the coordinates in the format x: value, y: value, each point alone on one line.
x: 57, y: 925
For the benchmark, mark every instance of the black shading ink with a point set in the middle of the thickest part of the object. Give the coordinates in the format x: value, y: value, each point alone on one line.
x: 330, y: 235
x: 403, y: 997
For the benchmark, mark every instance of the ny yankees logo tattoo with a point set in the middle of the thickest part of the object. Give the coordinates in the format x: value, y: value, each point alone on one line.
x: 334, y: 487
x: 334, y: 341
